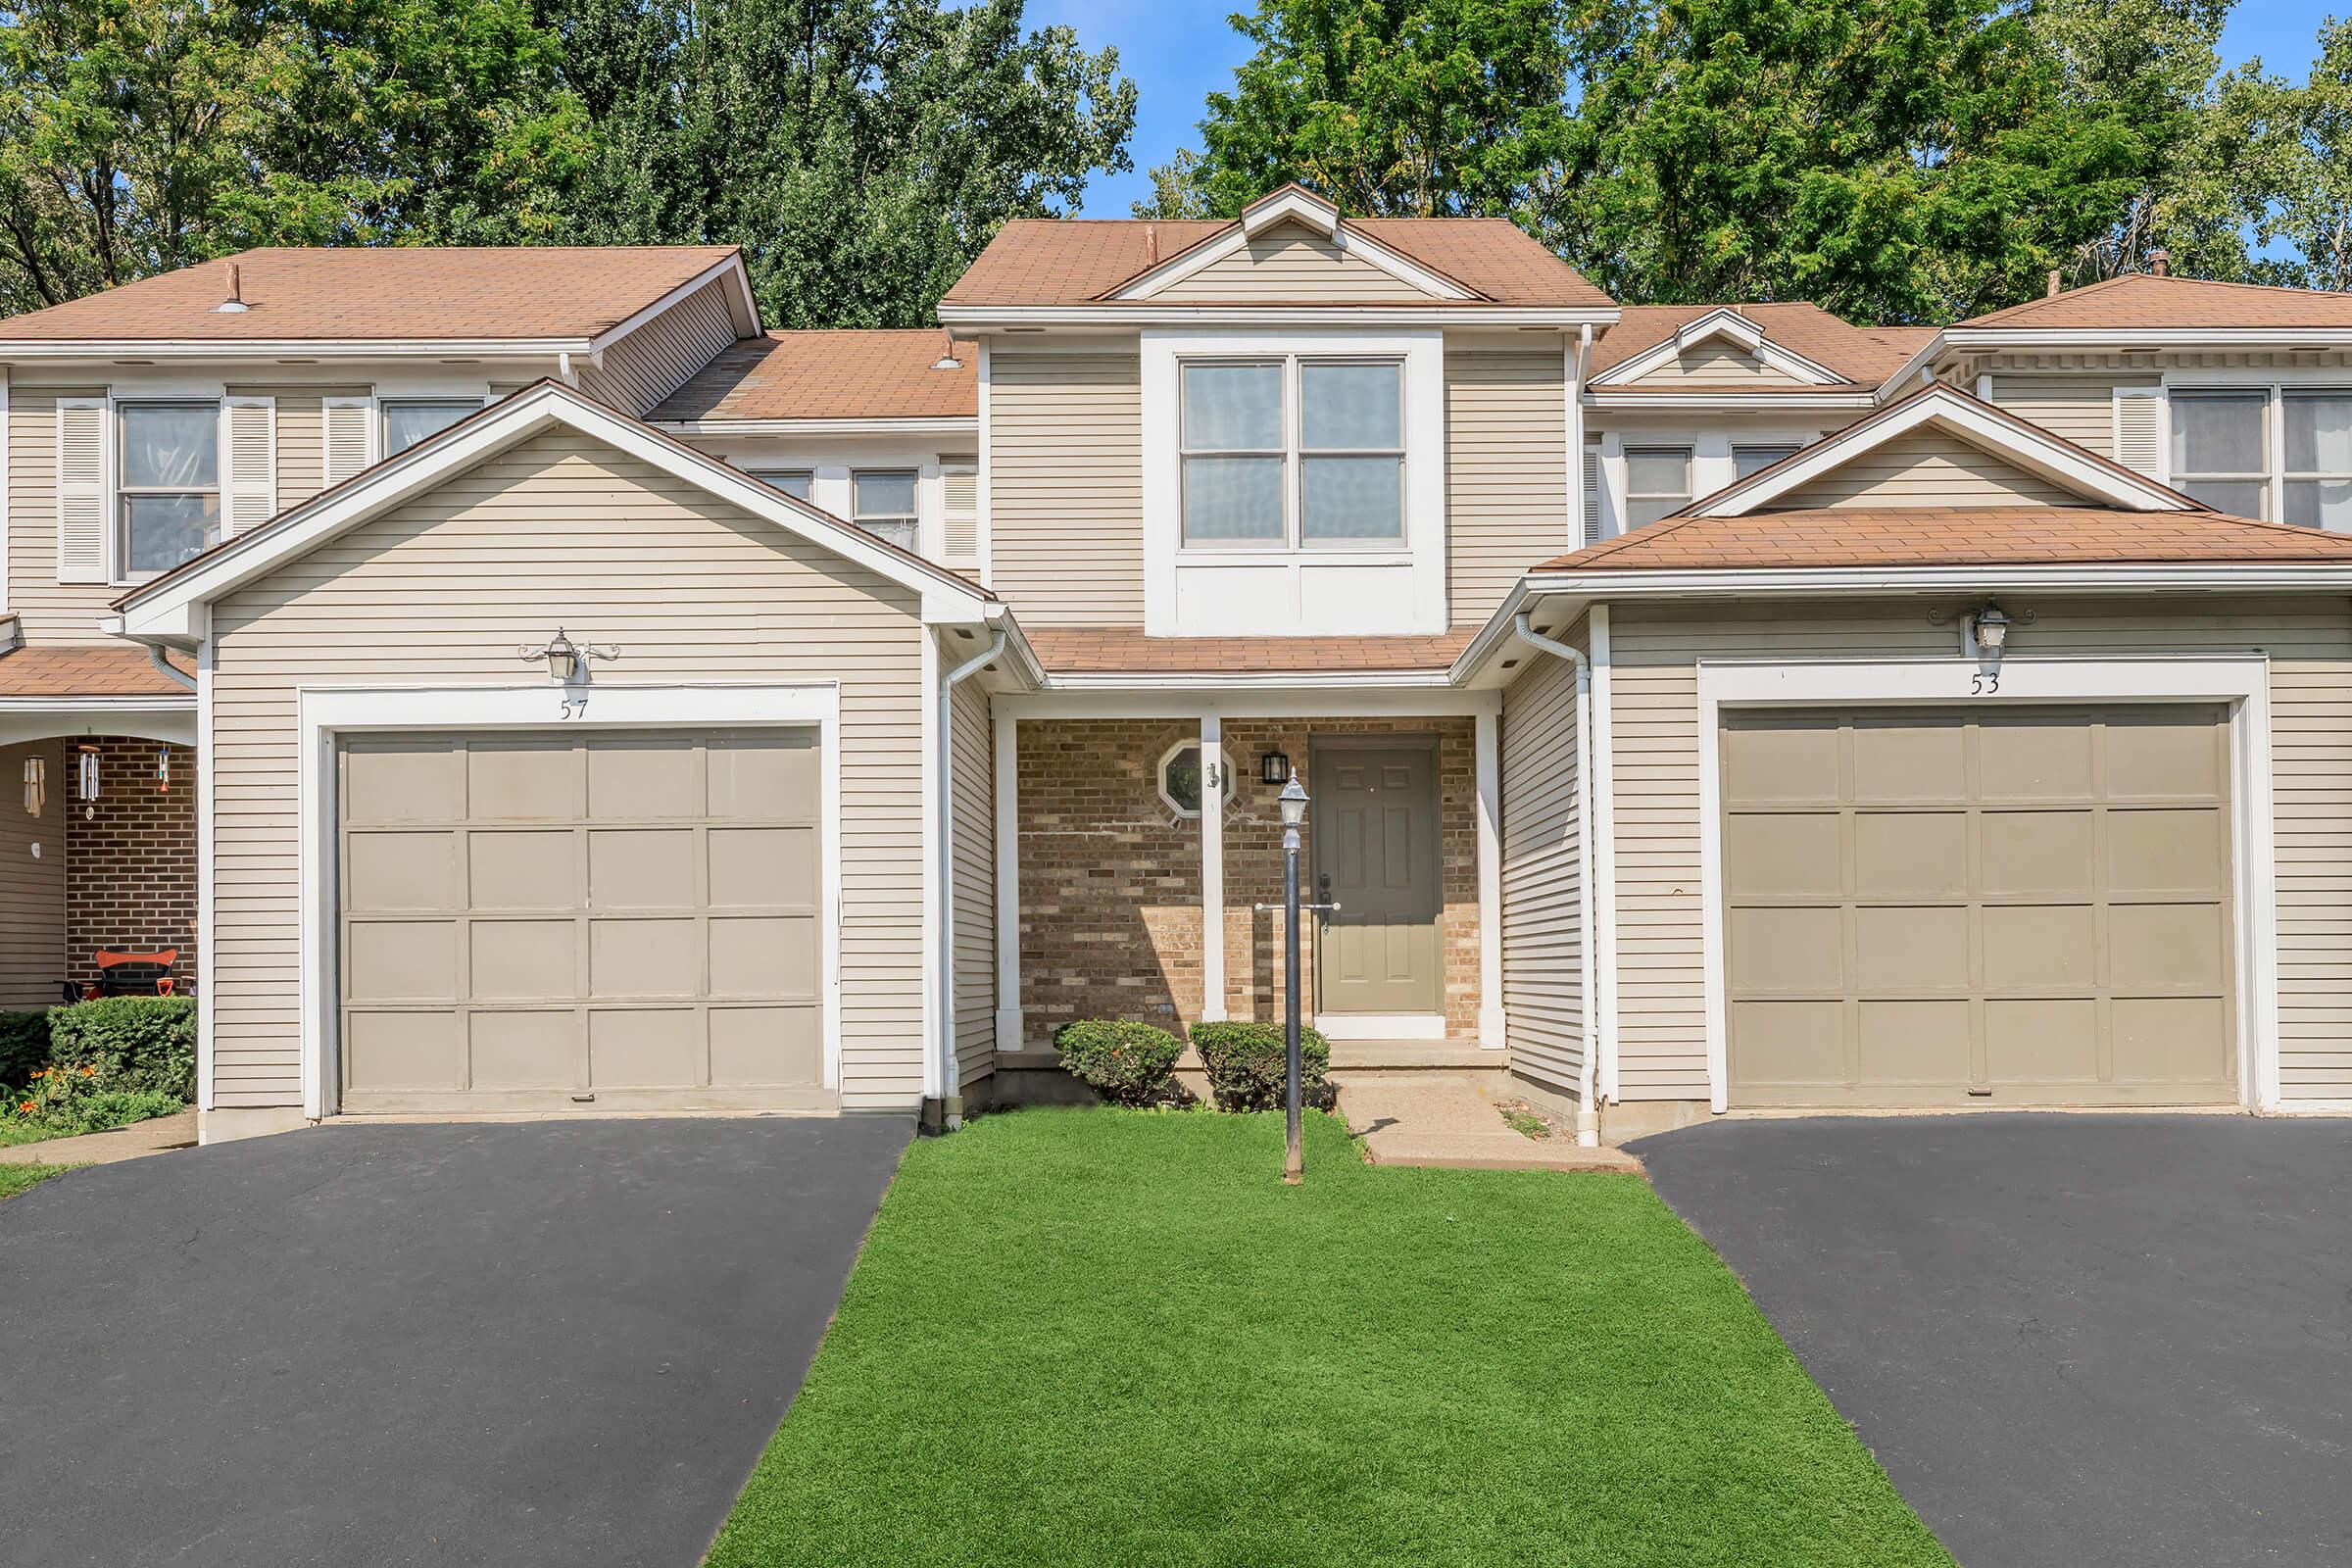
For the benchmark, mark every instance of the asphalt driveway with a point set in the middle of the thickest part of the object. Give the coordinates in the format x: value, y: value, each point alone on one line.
x: 523, y: 1343
x: 2081, y: 1340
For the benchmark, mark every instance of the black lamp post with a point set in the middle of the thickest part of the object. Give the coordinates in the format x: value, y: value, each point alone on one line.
x: 1293, y: 801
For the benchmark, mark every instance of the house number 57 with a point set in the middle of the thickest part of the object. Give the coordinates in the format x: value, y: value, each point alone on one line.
x: 575, y: 708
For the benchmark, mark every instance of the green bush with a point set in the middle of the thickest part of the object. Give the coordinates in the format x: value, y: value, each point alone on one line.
x: 1245, y: 1063
x: 23, y: 1046
x: 140, y: 1044
x: 1123, y: 1060
x: 61, y: 1110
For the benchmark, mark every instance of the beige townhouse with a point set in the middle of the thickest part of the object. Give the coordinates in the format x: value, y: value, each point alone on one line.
x: 600, y: 701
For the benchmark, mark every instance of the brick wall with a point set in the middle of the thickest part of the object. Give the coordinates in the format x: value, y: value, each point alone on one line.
x: 1110, y: 876
x: 130, y: 856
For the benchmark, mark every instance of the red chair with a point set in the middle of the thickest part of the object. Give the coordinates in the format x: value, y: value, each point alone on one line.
x: 129, y: 974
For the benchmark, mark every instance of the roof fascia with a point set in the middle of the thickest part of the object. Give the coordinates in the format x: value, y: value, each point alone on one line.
x: 880, y: 424
x: 278, y: 348
x: 2146, y: 337
x: 744, y: 308
x: 1724, y: 322
x: 1760, y: 401
x: 2221, y: 577
x: 1155, y: 312
x: 1214, y: 248
x: 1291, y: 203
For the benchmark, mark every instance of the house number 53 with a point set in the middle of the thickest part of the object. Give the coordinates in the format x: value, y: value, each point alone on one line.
x: 1983, y: 683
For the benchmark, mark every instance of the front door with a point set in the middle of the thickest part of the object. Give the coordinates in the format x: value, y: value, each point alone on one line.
x: 1375, y: 829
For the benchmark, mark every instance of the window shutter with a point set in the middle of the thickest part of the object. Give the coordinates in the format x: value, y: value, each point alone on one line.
x: 82, y: 425
x: 2139, y: 429
x: 249, y: 472
x: 350, y: 438
x: 1592, y: 492
x: 959, y: 512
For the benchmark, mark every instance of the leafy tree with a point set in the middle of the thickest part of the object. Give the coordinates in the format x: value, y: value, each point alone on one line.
x: 861, y: 151
x: 2313, y: 211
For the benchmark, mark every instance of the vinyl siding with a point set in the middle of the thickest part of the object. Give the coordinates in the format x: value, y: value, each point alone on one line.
x: 656, y: 359
x: 33, y: 891
x: 1290, y: 262
x: 2077, y: 407
x: 1543, y: 872
x: 1927, y: 468
x: 1716, y: 364
x: 1066, y: 487
x: 1506, y: 475
x: 1661, y: 1006
x: 51, y: 612
x: 972, y: 739
x: 443, y: 589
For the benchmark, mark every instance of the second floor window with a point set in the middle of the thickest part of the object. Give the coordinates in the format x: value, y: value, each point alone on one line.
x: 1293, y: 453
x: 2220, y: 449
x: 168, y: 499
x: 2319, y: 459
x: 794, y: 482
x: 1754, y: 460
x: 882, y: 503
x: 409, y: 420
x: 1657, y: 481
x: 2278, y: 452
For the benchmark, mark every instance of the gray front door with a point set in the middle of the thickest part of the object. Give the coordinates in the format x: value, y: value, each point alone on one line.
x: 1375, y: 827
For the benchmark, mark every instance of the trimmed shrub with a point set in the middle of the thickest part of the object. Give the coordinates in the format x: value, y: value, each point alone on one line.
x: 1245, y: 1063
x: 23, y: 1044
x: 139, y: 1045
x: 1123, y: 1060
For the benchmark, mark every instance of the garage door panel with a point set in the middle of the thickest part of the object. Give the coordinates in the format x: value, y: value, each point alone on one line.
x: 758, y: 1048
x: 1899, y: 948
x: 772, y: 955
x: 388, y: 873
x: 1910, y: 854
x: 537, y: 1049
x: 2031, y: 759
x: 2040, y: 946
x: 2044, y: 1039
x: 642, y: 868
x: 644, y: 957
x: 2174, y: 1039
x: 646, y: 1048
x: 401, y: 960
x: 1767, y: 763
x: 1787, y: 950
x: 1782, y: 856
x: 633, y: 778
x: 525, y: 870
x: 762, y: 776
x: 2166, y: 851
x: 1917, y: 1042
x: 403, y: 781
x: 1898, y: 761
x: 520, y: 780
x: 402, y: 1051
x: 2158, y: 757
x: 2168, y: 949
x: 2036, y: 854
x: 525, y: 960
x: 1785, y: 1044
x: 762, y: 867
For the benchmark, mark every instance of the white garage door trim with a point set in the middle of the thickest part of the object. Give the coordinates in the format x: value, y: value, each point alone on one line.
x: 2239, y: 680
x: 325, y: 713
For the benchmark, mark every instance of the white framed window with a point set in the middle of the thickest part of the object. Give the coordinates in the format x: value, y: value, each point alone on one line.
x: 1657, y: 481
x: 1755, y: 460
x: 167, y: 485
x: 794, y: 482
x: 2317, y: 482
x: 1177, y: 778
x: 2221, y: 449
x: 1291, y: 452
x: 882, y: 502
x: 409, y: 420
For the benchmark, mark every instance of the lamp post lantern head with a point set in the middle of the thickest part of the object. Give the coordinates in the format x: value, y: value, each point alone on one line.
x: 1293, y: 801
x: 1991, y: 629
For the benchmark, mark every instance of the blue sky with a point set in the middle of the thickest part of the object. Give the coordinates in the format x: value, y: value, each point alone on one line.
x: 1178, y: 52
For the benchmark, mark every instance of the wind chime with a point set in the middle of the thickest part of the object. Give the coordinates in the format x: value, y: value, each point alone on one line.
x: 86, y: 781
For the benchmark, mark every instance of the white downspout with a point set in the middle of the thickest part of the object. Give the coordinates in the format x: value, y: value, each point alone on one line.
x: 951, y: 1083
x: 1576, y: 437
x: 154, y: 657
x: 1588, y: 1113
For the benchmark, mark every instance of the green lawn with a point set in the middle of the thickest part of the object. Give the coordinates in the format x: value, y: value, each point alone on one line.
x: 1095, y: 1337
x: 15, y: 1179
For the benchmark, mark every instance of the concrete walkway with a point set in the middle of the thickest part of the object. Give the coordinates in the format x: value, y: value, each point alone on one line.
x: 151, y: 1137
x: 1442, y: 1120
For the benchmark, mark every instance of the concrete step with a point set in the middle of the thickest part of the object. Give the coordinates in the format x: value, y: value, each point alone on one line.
x: 1448, y: 1119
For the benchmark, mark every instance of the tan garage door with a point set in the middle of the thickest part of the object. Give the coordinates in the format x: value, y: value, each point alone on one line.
x: 2029, y: 908
x: 617, y: 919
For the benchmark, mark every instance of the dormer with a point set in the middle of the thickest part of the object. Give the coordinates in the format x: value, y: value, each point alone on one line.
x: 1291, y: 244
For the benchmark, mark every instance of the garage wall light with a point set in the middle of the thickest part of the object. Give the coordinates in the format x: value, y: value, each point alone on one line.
x: 1989, y: 627
x: 566, y: 661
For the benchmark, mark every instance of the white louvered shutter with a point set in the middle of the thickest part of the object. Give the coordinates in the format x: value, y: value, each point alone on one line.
x: 959, y: 509
x: 82, y: 428
x: 249, y: 467
x: 2139, y: 429
x: 1592, y: 492
x: 349, y: 436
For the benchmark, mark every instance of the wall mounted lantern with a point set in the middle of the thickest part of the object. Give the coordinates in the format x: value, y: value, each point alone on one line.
x: 1989, y: 627
x: 1274, y: 767
x: 566, y: 661
x: 36, y: 785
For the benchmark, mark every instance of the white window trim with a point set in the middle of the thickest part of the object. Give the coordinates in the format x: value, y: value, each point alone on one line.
x: 325, y: 713
x: 2268, y: 379
x: 1293, y: 453
x: 385, y: 400
x: 118, y: 570
x: 2239, y: 680
x: 1711, y: 466
x: 928, y: 509
x: 1423, y: 550
x: 1224, y: 779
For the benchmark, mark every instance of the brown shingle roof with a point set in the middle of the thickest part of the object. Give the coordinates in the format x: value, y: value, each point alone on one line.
x: 1864, y: 356
x: 385, y: 292
x: 93, y: 669
x: 2139, y: 299
x: 1955, y: 536
x: 832, y: 375
x: 1125, y: 649
x: 1076, y: 260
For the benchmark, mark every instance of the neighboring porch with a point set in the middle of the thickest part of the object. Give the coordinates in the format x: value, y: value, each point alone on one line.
x: 1119, y: 896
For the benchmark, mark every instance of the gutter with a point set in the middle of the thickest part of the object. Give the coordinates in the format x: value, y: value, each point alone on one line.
x: 951, y: 1083
x: 1588, y: 1113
